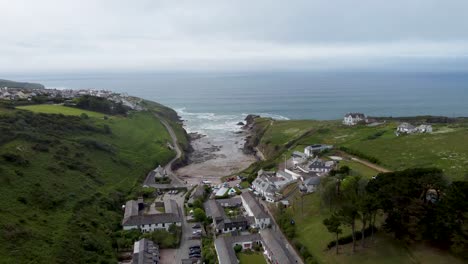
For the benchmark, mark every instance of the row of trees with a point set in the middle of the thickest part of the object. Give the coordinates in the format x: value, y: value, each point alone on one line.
x: 418, y: 205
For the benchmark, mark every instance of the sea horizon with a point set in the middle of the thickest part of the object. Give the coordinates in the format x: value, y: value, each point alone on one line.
x: 213, y: 103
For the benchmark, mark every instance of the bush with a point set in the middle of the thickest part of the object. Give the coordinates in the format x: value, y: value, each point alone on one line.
x: 376, y: 135
x: 349, y: 238
x: 237, y: 248
x: 360, y: 155
x: 16, y: 159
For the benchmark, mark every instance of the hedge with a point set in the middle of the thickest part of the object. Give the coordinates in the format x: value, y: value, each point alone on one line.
x: 360, y: 155
x: 349, y: 238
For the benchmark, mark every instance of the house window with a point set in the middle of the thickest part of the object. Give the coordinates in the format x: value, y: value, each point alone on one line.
x: 163, y: 224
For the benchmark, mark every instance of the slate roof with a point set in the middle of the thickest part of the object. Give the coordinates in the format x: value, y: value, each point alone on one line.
x: 225, y: 247
x: 312, y: 181
x: 131, y: 208
x: 276, y: 247
x: 132, y: 217
x: 355, y: 115
x: 214, y: 210
x: 145, y: 252
x: 254, y: 205
x: 230, y: 202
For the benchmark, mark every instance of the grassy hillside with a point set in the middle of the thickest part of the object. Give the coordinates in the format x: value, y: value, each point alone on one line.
x: 59, y: 109
x: 63, y: 180
x: 13, y: 84
x: 446, y: 148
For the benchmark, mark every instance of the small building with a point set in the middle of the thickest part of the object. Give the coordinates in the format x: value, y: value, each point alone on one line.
x: 407, y: 128
x: 255, y: 209
x: 224, y: 246
x: 225, y: 191
x: 310, y: 184
x: 135, y: 218
x: 311, y: 150
x: 275, y: 249
x: 351, y: 119
x: 145, y: 252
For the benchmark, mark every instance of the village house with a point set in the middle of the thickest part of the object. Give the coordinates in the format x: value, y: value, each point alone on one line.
x: 255, y: 209
x: 275, y: 249
x: 351, y: 119
x: 224, y: 246
x: 318, y: 166
x: 145, y: 252
x: 310, y: 184
x: 269, y: 185
x: 407, y: 128
x: 135, y: 218
x: 311, y: 150
x: 221, y: 222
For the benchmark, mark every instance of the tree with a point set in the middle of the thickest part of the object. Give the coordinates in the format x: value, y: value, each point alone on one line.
x: 199, y: 215
x: 237, y: 248
x: 333, y: 224
x: 348, y: 214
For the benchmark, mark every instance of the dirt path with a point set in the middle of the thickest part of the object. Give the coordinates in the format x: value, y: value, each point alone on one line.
x: 364, y: 162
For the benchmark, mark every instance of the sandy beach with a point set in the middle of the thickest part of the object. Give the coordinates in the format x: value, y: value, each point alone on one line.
x: 215, y: 157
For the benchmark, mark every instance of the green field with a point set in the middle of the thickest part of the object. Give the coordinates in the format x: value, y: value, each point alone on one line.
x: 446, y: 148
x: 63, y: 180
x: 358, y: 168
x: 251, y: 258
x: 385, y: 249
x: 60, y: 109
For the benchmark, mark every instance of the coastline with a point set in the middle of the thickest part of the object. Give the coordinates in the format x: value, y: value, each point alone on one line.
x: 214, y: 157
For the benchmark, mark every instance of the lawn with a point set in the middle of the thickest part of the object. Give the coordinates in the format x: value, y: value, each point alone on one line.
x: 60, y: 109
x: 358, y: 168
x: 385, y: 249
x: 251, y: 258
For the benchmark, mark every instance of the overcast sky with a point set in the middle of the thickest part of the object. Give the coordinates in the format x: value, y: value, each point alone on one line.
x: 152, y: 35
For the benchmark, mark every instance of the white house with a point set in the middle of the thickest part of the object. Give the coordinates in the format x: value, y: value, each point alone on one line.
x: 406, y: 128
x: 316, y: 148
x: 351, y: 119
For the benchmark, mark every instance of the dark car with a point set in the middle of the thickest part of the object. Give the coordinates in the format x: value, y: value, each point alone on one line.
x: 194, y: 247
x: 193, y: 251
x: 196, y: 226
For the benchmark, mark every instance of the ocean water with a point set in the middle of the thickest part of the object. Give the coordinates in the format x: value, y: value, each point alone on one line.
x: 212, y: 103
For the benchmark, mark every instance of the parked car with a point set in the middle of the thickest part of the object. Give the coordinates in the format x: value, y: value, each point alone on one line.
x: 196, y: 226
x: 194, y: 247
x: 198, y: 231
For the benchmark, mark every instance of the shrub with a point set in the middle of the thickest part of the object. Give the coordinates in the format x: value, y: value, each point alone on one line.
x: 16, y: 159
x: 360, y: 155
x: 349, y: 238
x: 237, y: 248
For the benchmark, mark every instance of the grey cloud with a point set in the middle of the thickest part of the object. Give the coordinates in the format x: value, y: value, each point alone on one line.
x: 53, y: 35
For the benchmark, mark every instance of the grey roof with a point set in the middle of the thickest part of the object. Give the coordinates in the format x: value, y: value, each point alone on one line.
x: 319, y: 164
x: 284, y: 175
x: 312, y: 181
x: 131, y: 218
x: 198, y: 192
x: 214, y: 209
x: 131, y: 208
x: 275, y: 247
x: 254, y: 205
x: 150, y: 219
x: 225, y: 247
x: 230, y: 202
x: 355, y: 115
x: 171, y: 207
x: 145, y: 252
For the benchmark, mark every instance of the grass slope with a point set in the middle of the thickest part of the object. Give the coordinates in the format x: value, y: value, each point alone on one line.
x: 64, y: 178
x: 385, y: 249
x: 60, y: 109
